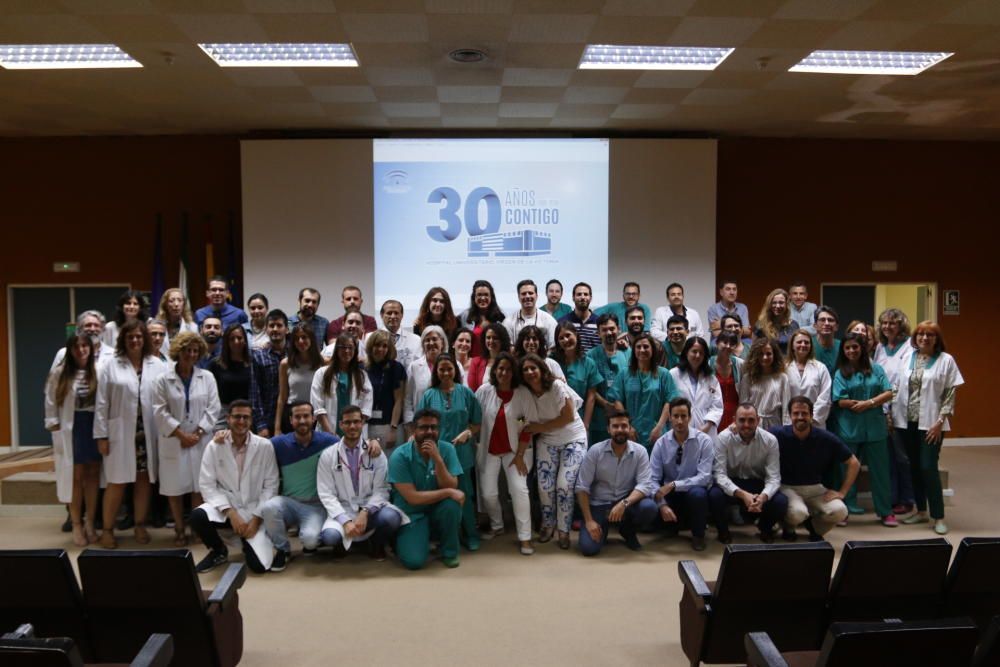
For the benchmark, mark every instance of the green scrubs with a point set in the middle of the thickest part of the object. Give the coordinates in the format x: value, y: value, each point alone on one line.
x: 562, y: 310
x: 458, y: 410
x: 619, y: 308
x: 582, y: 375
x: 865, y: 433
x: 671, y: 358
x: 343, y: 398
x: 829, y: 359
x: 441, y: 519
x: 643, y: 395
x: 609, y: 368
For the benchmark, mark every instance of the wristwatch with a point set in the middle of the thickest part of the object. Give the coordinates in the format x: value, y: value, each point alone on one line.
x: 625, y: 502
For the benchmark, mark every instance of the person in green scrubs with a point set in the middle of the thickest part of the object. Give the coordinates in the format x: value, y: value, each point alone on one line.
x: 825, y: 343
x: 461, y: 417
x: 581, y: 372
x: 677, y: 335
x: 610, y: 361
x: 644, y: 390
x: 424, y: 474
x: 860, y: 389
x: 630, y: 298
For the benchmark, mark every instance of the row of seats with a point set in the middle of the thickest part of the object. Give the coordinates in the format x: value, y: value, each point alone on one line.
x: 22, y: 649
x: 786, y: 591
x: 122, y: 598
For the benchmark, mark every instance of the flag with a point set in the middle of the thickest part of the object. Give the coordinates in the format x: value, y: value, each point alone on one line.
x: 209, y: 250
x: 182, y: 276
x: 233, y: 287
x: 158, y: 284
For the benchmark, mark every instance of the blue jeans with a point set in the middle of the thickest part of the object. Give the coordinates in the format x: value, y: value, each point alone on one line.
x: 637, y: 516
x: 691, y: 507
x: 773, y: 511
x: 385, y: 523
x: 281, y: 511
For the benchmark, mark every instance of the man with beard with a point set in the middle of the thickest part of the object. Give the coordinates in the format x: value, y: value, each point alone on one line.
x: 609, y: 361
x: 211, y: 331
x: 677, y: 335
x: 808, y: 455
x: 218, y: 305
x: 350, y: 298
x: 615, y: 486
x: 630, y: 299
x: 90, y: 323
x: 264, y: 366
x: 675, y: 306
x: 308, y: 305
x: 527, y: 294
x: 583, y: 318
x: 635, y: 324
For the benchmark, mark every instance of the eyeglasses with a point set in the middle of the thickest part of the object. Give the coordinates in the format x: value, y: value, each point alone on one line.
x: 240, y: 418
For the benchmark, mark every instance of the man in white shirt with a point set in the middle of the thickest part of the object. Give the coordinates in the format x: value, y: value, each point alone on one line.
x: 675, y: 306
x: 407, y: 343
x: 747, y: 474
x: 527, y: 294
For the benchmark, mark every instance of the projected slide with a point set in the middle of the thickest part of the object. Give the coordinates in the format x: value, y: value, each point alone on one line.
x: 452, y: 211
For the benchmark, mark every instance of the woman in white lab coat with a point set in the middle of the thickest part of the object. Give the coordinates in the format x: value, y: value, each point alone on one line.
x: 131, y: 306
x: 124, y: 427
x: 893, y: 353
x: 69, y: 414
x: 418, y: 375
x: 696, y: 381
x: 341, y: 383
x: 186, y: 406
x: 808, y: 377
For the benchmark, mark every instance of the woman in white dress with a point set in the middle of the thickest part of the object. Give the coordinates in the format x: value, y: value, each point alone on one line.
x: 808, y: 377
x: 764, y: 383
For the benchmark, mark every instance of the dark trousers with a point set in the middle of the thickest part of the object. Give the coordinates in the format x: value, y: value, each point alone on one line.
x: 924, y: 469
x: 773, y: 511
x: 208, y: 532
x: 901, y: 479
x: 636, y: 517
x: 691, y: 508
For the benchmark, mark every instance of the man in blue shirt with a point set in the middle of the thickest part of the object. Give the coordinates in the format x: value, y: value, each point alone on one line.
x: 728, y: 305
x: 802, y: 310
x: 218, y: 305
x: 614, y: 486
x: 264, y: 366
x: 682, y: 462
x: 807, y: 455
x: 308, y: 305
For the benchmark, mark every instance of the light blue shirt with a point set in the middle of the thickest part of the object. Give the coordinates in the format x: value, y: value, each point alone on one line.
x: 607, y: 478
x: 717, y: 310
x: 804, y: 317
x: 697, y: 458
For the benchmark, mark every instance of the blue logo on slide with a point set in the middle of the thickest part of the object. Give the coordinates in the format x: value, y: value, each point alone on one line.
x: 396, y: 182
x: 523, y: 243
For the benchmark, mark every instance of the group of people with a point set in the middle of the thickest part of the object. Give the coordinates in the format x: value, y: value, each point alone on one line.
x: 356, y: 434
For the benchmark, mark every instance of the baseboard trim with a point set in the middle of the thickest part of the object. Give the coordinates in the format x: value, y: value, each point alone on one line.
x: 971, y: 442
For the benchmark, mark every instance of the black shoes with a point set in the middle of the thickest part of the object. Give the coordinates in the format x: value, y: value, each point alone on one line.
x: 280, y: 561
x: 213, y: 560
x: 697, y: 543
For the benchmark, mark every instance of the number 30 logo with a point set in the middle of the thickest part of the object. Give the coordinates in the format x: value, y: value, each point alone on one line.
x: 448, y: 215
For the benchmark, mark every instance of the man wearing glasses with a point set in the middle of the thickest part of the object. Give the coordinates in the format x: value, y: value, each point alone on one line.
x: 682, y: 462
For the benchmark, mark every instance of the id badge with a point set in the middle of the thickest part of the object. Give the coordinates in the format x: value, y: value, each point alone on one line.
x: 188, y: 426
x: 376, y: 414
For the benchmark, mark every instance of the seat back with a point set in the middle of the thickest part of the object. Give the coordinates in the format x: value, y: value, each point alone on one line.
x: 940, y: 642
x: 780, y: 589
x: 901, y: 579
x: 31, y: 652
x: 988, y: 652
x: 38, y: 586
x: 973, y: 583
x: 130, y: 595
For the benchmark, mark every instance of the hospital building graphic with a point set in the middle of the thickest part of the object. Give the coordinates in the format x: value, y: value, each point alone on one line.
x: 522, y: 243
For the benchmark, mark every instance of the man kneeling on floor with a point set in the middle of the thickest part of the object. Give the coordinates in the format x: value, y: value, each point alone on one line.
x: 807, y: 455
x: 238, y: 475
x: 615, y: 485
x: 353, y: 488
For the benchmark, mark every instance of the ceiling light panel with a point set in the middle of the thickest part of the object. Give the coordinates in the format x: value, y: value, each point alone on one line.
x: 869, y: 62
x: 609, y: 56
x: 274, y: 54
x: 64, y: 56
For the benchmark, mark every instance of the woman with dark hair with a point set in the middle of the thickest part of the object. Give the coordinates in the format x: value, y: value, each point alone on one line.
x: 231, y: 370
x: 69, y: 415
x: 461, y: 416
x: 775, y: 318
x: 893, y: 353
x: 256, y: 326
x: 483, y: 310
x: 645, y: 390
x: 924, y: 401
x: 695, y: 380
x: 175, y: 311
x: 506, y: 405
x: 735, y: 325
x: 531, y: 340
x: 388, y: 380
x: 186, y: 407
x: 580, y: 370
x: 764, y: 383
x: 866, y: 330
x: 461, y: 346
x: 728, y: 369
x: 562, y: 443
x: 808, y: 377
x: 131, y: 306
x: 860, y: 389
x: 341, y: 383
x: 295, y: 374
x: 436, y: 310
x: 494, y: 340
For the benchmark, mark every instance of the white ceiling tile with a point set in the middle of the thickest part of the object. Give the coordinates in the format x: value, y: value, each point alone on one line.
x: 411, y: 109
x: 551, y: 28
x: 386, y: 27
x: 527, y: 109
x: 468, y: 94
x: 526, y: 76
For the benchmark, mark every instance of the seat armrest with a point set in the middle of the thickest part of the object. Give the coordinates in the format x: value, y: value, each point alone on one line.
x: 761, y: 651
x: 23, y: 631
x: 158, y: 651
x: 695, y: 584
x: 233, y: 579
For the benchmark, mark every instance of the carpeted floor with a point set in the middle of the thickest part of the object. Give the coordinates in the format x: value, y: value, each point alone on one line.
x: 553, y: 608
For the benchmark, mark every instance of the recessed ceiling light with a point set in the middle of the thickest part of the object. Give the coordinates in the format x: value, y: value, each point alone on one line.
x: 610, y: 56
x: 64, y: 56
x: 276, y: 54
x: 869, y: 62
x: 467, y: 56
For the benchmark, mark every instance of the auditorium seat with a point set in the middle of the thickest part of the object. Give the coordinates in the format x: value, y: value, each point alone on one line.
x: 131, y: 594
x: 780, y: 589
x: 158, y: 651
x: 901, y: 579
x: 988, y: 651
x: 948, y: 642
x: 38, y: 586
x: 973, y: 583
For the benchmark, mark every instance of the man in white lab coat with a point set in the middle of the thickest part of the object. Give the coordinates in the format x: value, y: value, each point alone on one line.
x: 237, y: 477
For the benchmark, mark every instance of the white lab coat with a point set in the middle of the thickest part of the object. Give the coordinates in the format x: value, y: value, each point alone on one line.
x: 515, y: 322
x: 814, y: 381
x: 118, y: 395
x: 223, y: 487
x: 336, y: 490
x: 61, y: 415
x: 943, y: 374
x: 519, y: 412
x: 658, y: 327
x: 185, y: 326
x: 893, y: 365
x: 180, y: 467
x: 323, y: 404
x: 104, y: 354
x: 705, y: 397
x: 418, y: 380
x: 407, y: 347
